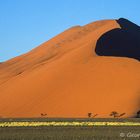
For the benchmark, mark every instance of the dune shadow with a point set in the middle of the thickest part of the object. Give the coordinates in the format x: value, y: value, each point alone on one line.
x: 120, y: 42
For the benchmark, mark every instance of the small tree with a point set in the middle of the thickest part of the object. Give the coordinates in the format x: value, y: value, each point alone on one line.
x: 138, y: 114
x: 114, y: 114
x: 89, y: 114
x: 43, y: 114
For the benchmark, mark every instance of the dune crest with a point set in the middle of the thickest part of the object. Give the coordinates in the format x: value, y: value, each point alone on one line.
x: 65, y: 77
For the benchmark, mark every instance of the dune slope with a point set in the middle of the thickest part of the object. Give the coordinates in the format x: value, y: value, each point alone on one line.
x: 64, y: 77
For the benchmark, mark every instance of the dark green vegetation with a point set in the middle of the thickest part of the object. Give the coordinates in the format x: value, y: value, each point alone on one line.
x: 71, y: 132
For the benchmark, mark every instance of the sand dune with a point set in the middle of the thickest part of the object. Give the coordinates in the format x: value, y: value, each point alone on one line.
x: 64, y: 77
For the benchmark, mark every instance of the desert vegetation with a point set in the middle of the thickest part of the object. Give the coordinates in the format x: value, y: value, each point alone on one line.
x: 116, y: 114
x: 43, y: 114
x: 138, y: 114
x: 67, y: 129
x: 91, y: 115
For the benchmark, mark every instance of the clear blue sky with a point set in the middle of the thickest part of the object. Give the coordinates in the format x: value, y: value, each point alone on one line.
x: 24, y: 24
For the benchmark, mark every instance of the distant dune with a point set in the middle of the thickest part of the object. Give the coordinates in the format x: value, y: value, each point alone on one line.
x: 72, y: 75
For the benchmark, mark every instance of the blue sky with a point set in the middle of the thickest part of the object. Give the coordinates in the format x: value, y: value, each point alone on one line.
x: 24, y: 24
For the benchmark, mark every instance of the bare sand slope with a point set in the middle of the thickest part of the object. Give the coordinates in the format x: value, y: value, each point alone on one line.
x: 64, y: 77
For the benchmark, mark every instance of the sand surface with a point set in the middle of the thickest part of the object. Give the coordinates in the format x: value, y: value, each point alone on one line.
x: 64, y: 77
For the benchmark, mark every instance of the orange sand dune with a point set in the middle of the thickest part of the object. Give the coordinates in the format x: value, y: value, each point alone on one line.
x: 64, y: 77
